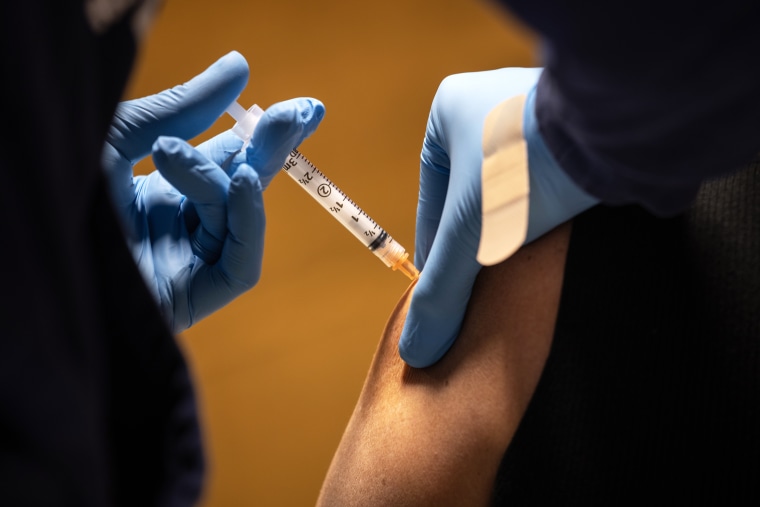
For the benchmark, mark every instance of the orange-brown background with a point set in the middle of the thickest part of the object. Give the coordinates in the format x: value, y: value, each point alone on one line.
x: 278, y: 371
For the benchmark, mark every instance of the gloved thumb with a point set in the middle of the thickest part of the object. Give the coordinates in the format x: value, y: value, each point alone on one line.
x: 437, y: 308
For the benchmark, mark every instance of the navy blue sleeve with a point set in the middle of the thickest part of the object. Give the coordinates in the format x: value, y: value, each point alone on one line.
x: 97, y: 406
x: 641, y: 102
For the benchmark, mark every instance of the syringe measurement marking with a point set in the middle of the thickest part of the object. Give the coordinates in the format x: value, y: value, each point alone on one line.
x: 365, y: 234
x: 293, y: 162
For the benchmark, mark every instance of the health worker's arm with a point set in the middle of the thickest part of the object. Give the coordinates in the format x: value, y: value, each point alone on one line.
x: 435, y: 436
x: 641, y: 103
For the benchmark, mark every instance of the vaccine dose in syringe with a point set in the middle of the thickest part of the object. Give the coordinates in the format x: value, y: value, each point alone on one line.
x: 331, y: 198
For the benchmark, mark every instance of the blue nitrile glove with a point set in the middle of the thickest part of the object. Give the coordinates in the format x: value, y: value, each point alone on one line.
x: 196, y: 230
x: 449, y: 208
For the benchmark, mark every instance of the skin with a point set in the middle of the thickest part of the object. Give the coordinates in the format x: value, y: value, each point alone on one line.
x: 436, y: 436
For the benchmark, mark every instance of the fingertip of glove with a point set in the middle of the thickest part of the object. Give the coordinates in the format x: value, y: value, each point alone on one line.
x: 234, y: 54
x: 419, y: 347
x: 169, y: 146
x: 233, y: 63
x: 246, y: 176
x: 303, y: 110
x: 314, y: 110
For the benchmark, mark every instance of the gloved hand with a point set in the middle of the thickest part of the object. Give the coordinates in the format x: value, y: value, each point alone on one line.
x: 449, y: 208
x: 196, y: 229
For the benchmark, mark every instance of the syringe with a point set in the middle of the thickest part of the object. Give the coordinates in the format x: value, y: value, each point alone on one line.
x: 330, y: 197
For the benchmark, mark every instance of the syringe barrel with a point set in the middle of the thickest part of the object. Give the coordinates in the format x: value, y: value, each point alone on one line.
x: 345, y: 211
x: 330, y: 197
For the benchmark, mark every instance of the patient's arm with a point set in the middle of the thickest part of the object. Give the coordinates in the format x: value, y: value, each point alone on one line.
x: 436, y: 436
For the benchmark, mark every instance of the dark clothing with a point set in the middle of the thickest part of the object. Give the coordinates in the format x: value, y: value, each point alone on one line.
x: 651, y: 391
x: 96, y: 402
x: 652, y: 387
x: 641, y: 101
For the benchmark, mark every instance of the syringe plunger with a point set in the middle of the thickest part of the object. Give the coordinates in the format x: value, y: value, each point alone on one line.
x: 246, y: 121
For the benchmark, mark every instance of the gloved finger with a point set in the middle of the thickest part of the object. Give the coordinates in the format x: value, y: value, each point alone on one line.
x: 183, y: 111
x: 451, y: 202
x: 282, y: 128
x: 224, y: 150
x: 204, y: 184
x: 438, y: 305
x: 246, y: 222
x: 434, y: 183
x: 239, y: 267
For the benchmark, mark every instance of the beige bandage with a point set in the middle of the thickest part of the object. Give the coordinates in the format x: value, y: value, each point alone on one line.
x: 505, y: 182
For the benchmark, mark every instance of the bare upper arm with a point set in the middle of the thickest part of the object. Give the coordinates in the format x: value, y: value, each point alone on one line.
x: 435, y: 436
